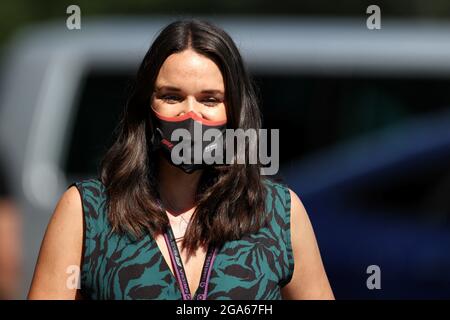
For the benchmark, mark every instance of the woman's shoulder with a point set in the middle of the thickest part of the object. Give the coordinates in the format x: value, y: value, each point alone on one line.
x: 61, y: 247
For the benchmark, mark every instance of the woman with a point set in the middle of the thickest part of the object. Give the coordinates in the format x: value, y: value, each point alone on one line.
x: 153, y: 228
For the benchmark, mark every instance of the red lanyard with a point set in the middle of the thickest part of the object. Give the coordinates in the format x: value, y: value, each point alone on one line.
x: 175, y: 257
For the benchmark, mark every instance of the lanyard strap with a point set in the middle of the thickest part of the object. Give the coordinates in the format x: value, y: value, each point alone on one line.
x: 178, y: 267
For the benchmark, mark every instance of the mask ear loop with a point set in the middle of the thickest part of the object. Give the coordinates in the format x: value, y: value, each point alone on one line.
x: 155, y: 140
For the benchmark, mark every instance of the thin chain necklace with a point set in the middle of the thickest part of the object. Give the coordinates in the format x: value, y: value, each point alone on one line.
x: 181, y: 221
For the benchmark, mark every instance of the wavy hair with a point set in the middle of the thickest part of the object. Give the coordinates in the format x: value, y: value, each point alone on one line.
x: 230, y: 199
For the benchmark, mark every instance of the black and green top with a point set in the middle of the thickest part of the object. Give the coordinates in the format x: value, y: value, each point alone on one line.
x: 115, y: 266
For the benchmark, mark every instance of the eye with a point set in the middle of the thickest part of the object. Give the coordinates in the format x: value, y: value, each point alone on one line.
x: 211, y: 101
x: 171, y: 98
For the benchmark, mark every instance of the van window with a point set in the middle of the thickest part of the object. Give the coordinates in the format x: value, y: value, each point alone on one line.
x: 101, y: 100
x: 316, y: 112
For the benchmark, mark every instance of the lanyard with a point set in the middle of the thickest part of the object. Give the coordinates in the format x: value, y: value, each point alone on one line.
x: 178, y: 267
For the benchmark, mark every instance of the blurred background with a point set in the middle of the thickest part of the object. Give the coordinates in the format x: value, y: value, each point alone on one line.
x: 364, y: 119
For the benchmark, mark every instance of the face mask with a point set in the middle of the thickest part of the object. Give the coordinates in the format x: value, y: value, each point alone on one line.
x: 186, y: 149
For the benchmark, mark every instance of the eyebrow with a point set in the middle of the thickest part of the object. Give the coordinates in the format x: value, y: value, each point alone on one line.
x: 171, y: 88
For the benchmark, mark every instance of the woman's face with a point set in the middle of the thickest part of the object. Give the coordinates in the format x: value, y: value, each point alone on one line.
x: 188, y: 81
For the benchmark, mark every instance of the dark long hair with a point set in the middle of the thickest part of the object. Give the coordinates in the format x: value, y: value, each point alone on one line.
x: 231, y: 198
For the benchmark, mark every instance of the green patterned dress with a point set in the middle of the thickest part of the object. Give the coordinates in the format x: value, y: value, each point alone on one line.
x: 114, y: 266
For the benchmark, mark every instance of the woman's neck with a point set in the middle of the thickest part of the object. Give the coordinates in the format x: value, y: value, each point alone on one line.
x: 177, y: 188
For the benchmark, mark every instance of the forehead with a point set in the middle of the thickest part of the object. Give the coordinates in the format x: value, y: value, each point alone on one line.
x: 191, y: 71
